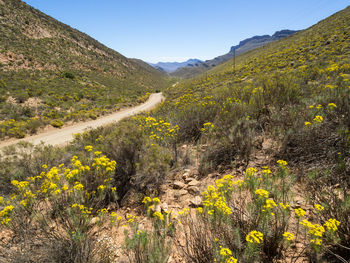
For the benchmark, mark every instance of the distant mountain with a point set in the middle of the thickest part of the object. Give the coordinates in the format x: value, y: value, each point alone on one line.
x: 242, y: 47
x: 172, y: 66
x: 257, y: 41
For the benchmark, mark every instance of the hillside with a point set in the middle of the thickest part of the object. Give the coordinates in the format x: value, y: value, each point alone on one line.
x: 51, y: 72
x: 242, y: 47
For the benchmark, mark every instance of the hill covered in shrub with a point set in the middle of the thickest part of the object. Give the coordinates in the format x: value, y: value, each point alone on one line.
x: 51, y: 73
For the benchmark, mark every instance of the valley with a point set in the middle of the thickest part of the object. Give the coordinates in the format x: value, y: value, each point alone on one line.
x: 245, y: 161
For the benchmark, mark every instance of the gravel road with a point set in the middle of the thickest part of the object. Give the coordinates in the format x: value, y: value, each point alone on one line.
x: 64, y: 135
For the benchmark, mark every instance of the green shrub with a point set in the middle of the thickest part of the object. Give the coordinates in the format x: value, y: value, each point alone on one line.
x: 69, y: 75
x: 57, y: 123
x: 17, y: 132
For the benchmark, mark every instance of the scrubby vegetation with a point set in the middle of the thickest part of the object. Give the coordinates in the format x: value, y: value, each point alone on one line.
x: 288, y: 102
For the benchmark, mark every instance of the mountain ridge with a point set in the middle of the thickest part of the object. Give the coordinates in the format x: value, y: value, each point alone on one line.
x: 172, y: 66
x: 243, y: 46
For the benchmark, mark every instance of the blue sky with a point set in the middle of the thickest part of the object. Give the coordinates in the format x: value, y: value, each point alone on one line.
x: 176, y: 30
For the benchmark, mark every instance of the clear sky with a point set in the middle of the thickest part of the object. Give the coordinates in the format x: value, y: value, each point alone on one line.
x: 176, y: 30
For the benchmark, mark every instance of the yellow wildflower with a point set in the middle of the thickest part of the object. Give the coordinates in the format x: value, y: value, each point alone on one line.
x: 24, y: 202
x: 307, y: 123
x: 318, y: 119
x: 316, y: 241
x: 254, y: 237
x: 299, y: 212
x: 262, y: 193
x: 78, y: 186
x: 238, y: 182
x: 318, y: 207
x: 199, y: 210
x: 269, y: 205
x: 158, y: 215
x: 332, y: 105
x: 225, y: 252
x: 88, y: 148
x: 101, y: 187
x: 251, y: 170
x: 156, y: 200
x: 288, y: 236
x: 146, y: 200
x: 113, y: 214
x: 266, y: 171
x: 332, y: 224
x: 285, y: 206
x: 281, y: 162
x: 231, y: 260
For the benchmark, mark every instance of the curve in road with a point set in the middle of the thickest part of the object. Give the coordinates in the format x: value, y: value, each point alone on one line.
x: 64, y: 135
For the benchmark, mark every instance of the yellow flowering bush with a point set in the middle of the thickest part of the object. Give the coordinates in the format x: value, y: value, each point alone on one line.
x: 332, y: 224
x: 214, y: 200
x: 73, y: 194
x: 158, y: 129
x: 151, y: 245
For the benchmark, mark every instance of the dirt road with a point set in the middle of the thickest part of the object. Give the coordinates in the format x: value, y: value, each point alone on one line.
x: 64, y: 135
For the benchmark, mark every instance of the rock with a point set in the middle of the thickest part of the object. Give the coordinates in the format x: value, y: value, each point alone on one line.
x: 193, y: 183
x: 180, y: 193
x: 196, y: 201
x: 164, y: 207
x: 178, y: 185
x: 213, y: 175
x: 185, y: 175
x: 112, y: 206
x: 175, y: 206
x: 188, y: 179
x: 157, y: 208
x: 163, y: 188
x: 182, y: 242
x: 194, y: 190
x: 298, y: 203
x: 94, y: 220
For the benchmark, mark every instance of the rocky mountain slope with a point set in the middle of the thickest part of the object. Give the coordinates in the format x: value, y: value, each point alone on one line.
x: 242, y: 47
